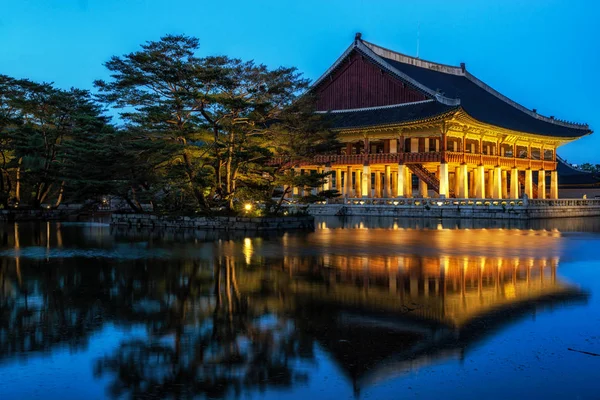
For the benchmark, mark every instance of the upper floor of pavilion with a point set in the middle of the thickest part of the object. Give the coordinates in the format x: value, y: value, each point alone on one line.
x: 370, y: 89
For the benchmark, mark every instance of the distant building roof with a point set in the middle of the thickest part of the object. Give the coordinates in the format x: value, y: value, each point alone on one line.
x: 573, y: 177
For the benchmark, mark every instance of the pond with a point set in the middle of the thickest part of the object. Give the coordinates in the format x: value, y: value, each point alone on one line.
x: 359, y: 308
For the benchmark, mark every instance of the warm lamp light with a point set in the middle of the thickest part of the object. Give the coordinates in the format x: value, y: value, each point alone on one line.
x: 247, y: 206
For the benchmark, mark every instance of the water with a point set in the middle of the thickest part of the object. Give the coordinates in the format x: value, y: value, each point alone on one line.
x: 360, y: 308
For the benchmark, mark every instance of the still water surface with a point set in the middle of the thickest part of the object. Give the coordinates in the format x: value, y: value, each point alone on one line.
x: 360, y: 308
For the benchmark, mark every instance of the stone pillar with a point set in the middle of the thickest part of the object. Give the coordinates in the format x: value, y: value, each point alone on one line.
x: 400, y: 186
x: 338, y: 180
x: 456, y: 181
x: 472, y: 191
x: 514, y: 183
x: 357, y: 183
x: 423, y: 190
x: 489, y: 191
x: 480, y: 182
x: 498, y: 183
x: 463, y: 182
x: 408, y: 190
x: 327, y: 184
x: 348, y: 183
x: 387, y: 181
x: 541, y: 184
x: 394, y: 186
x: 529, y: 183
x: 553, y: 185
x: 377, y: 184
x: 505, y: 184
x: 444, y: 187
x: 366, y: 181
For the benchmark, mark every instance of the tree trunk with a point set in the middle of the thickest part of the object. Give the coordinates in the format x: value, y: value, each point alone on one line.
x: 18, y: 182
x: 60, y: 194
x: 280, y: 202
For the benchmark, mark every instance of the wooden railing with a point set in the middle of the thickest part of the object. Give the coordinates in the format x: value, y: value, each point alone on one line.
x: 425, y: 157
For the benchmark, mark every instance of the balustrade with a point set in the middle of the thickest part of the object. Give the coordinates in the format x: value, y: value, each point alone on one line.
x: 424, y: 157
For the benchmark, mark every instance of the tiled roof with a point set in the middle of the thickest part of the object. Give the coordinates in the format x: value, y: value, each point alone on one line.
x: 483, y: 105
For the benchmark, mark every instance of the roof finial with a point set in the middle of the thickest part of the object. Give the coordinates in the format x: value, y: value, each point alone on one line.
x: 358, y: 36
x: 463, y: 67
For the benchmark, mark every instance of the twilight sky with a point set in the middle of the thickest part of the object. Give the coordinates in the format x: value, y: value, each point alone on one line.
x: 543, y: 54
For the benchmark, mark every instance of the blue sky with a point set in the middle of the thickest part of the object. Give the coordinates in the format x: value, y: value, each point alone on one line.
x: 542, y: 53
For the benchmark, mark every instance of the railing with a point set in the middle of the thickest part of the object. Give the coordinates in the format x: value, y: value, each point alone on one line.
x: 420, y: 158
x: 421, y: 202
x: 564, y: 202
x: 431, y: 202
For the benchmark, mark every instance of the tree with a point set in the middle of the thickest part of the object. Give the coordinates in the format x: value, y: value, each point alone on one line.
x: 44, y: 143
x: 590, y: 167
x: 222, y: 115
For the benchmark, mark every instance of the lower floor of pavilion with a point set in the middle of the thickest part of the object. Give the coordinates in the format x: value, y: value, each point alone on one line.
x: 436, y: 180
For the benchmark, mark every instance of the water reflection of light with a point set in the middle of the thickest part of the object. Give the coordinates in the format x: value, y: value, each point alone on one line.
x: 248, y: 250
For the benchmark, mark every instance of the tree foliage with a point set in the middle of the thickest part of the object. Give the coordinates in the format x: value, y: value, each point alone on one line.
x: 197, y: 134
x: 236, y: 128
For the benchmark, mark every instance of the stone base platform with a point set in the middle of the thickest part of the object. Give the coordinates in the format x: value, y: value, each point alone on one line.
x: 459, y: 208
x: 304, y: 222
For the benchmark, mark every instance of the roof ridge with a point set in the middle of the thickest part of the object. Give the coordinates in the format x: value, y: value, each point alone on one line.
x: 417, y: 62
x: 376, y: 107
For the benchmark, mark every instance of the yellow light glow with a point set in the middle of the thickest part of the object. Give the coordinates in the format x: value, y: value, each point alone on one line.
x: 247, y: 206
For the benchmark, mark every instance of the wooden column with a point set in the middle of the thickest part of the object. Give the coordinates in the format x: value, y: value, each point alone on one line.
x: 505, y: 184
x: 357, y: 183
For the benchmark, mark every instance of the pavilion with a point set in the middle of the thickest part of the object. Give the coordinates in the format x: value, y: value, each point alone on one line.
x: 401, y: 119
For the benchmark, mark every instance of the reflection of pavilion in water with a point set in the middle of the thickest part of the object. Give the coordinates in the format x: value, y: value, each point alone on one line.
x: 394, y: 314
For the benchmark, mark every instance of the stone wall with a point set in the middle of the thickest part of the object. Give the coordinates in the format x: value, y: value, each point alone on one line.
x: 304, y: 222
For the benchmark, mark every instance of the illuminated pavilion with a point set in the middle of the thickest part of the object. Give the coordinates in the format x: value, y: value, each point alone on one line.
x: 401, y: 118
